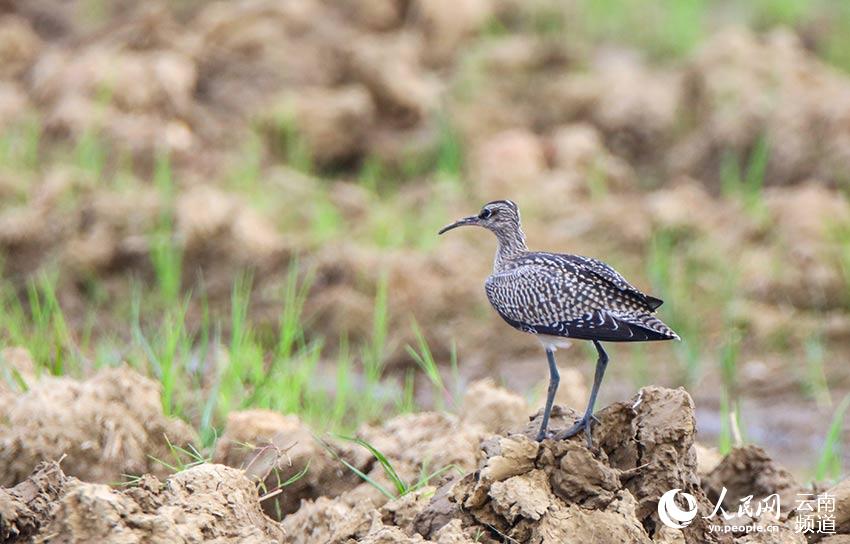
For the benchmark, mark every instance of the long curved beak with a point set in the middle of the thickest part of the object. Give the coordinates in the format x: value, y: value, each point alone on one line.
x: 471, y: 220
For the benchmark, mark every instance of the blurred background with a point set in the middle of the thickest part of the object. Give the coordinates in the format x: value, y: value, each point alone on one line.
x: 240, y: 199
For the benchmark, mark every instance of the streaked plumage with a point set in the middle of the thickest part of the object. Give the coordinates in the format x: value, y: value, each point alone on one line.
x: 560, y: 295
x: 575, y: 297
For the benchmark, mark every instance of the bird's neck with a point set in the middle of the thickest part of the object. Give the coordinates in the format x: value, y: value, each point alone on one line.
x: 511, y: 246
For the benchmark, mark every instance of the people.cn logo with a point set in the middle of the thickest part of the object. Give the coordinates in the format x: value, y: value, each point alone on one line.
x: 671, y: 515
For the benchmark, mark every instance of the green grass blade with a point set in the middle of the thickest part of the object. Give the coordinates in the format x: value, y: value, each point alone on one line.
x: 389, y: 470
x: 295, y: 477
x: 360, y: 474
x: 829, y: 464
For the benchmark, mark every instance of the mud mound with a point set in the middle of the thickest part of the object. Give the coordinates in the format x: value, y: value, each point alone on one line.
x: 30, y: 505
x: 105, y: 427
x: 495, y: 408
x: 337, y: 522
x: 552, y: 491
x: 560, y: 491
x: 192, y: 80
x: 635, y: 106
x: 221, y: 234
x: 333, y: 123
x: 151, y: 77
x: 507, y: 160
x: 205, y: 503
x: 342, y: 294
x: 749, y: 471
x: 19, y: 45
x: 525, y: 491
x: 426, y: 441
x: 416, y: 445
x: 743, y: 88
x: 742, y: 93
x: 273, y: 448
x: 108, y: 232
x: 807, y: 219
x: 570, y: 162
x: 514, y: 488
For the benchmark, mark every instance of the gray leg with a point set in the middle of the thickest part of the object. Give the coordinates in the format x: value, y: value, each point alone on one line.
x: 554, y: 380
x: 585, y: 422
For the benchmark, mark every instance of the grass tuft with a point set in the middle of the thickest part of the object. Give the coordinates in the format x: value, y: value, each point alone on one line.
x: 400, y: 486
x: 830, y: 464
x: 165, y: 254
x: 747, y: 185
x: 730, y: 408
x: 182, y: 458
x: 425, y: 360
x: 673, y: 277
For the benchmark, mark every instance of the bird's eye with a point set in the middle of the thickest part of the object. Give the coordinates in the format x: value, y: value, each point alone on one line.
x: 485, y: 214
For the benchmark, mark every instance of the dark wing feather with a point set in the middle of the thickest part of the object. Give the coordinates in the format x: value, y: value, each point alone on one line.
x: 604, y: 271
x: 609, y: 327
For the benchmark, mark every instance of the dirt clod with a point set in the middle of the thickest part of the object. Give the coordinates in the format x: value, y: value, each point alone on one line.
x: 749, y: 471
x: 552, y: 491
x: 105, y: 427
x: 334, y: 124
x: 494, y: 408
x: 513, y: 488
x: 750, y: 91
x: 204, y: 503
x: 30, y: 505
x: 250, y: 434
x: 428, y: 439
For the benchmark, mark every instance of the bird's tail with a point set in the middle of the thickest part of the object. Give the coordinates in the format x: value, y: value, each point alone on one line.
x: 651, y: 326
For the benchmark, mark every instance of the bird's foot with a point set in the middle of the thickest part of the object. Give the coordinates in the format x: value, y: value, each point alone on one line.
x: 584, y: 424
x: 543, y: 435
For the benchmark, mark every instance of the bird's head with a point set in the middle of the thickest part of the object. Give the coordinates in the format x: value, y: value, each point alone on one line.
x: 500, y: 216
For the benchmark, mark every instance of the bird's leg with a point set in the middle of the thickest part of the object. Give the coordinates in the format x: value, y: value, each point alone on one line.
x: 554, y: 380
x: 587, y: 420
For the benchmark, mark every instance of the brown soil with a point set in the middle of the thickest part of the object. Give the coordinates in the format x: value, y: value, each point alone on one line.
x: 207, y: 503
x: 727, y: 86
x: 29, y: 506
x: 272, y: 448
x: 749, y: 470
x: 506, y: 486
x: 103, y: 428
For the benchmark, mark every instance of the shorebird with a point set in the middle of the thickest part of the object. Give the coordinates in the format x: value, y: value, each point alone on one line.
x: 558, y: 296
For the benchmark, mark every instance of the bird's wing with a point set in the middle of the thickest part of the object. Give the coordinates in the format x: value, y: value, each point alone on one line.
x: 598, y: 268
x: 553, y: 294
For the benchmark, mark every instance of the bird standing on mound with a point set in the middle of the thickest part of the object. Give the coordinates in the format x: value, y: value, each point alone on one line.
x: 557, y: 296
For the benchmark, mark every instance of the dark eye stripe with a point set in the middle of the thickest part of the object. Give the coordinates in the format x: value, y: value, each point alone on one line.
x: 485, y: 214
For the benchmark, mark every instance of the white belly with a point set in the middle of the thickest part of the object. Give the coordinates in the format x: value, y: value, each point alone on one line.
x: 553, y: 342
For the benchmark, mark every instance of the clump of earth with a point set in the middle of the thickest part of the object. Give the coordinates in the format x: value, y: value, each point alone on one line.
x: 502, y: 484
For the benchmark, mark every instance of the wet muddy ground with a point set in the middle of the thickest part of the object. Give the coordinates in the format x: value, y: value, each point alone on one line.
x: 502, y: 485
